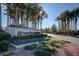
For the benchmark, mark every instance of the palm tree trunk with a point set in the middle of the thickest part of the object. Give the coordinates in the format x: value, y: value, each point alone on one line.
x: 59, y: 25
x: 35, y: 25
x: 62, y: 29
x: 27, y: 23
x: 22, y: 20
x: 41, y: 25
x: 38, y: 24
x: 71, y: 24
x: 14, y: 14
x: 68, y: 21
x: 17, y: 16
x: 65, y: 26
x: 0, y: 18
x: 76, y: 24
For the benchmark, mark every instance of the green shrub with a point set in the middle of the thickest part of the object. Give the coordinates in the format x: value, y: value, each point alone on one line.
x: 15, y: 37
x: 49, y: 36
x: 29, y: 36
x: 28, y: 47
x: 4, y: 45
x: 54, y: 49
x: 41, y: 53
x: 58, y: 43
x: 47, y: 49
x: 4, y: 41
x: 4, y: 36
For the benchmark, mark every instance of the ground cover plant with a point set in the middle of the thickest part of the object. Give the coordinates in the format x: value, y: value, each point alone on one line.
x: 46, y: 48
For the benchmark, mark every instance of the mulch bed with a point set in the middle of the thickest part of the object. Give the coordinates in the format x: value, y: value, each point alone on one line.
x: 69, y: 50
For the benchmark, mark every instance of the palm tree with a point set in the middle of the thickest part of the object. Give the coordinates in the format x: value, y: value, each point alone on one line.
x: 76, y: 14
x: 67, y: 20
x: 26, y: 12
x: 59, y: 22
x: 43, y: 15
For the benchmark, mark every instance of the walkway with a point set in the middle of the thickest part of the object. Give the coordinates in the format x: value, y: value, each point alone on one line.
x: 67, y: 38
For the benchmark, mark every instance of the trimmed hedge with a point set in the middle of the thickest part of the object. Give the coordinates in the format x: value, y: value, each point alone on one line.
x: 4, y: 45
x: 4, y: 36
x: 4, y: 41
x: 29, y: 36
x: 41, y: 53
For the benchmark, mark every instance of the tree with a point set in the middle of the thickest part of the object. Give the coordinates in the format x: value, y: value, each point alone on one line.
x: 76, y: 15
x: 47, y: 30
x: 69, y: 20
x: 54, y: 28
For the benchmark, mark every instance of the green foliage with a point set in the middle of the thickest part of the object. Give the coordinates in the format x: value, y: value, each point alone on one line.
x: 31, y: 47
x: 29, y: 36
x: 48, y: 50
x: 58, y: 43
x: 4, y: 41
x: 4, y: 45
x: 28, y: 48
x: 54, y: 28
x: 4, y: 36
x: 47, y: 30
x: 41, y: 53
x: 49, y: 36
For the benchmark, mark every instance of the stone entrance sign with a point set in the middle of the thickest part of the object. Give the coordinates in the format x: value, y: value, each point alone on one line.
x: 14, y: 31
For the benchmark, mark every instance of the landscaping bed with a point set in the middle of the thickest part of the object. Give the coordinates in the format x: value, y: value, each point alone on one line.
x: 46, y: 48
x: 18, y: 40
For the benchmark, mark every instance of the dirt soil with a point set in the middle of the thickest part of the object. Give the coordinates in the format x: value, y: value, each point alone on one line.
x: 69, y: 50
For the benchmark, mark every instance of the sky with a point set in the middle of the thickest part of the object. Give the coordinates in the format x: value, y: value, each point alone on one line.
x: 52, y: 9
x: 55, y: 10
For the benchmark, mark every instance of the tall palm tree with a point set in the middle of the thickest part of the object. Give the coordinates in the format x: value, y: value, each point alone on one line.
x: 76, y: 15
x: 43, y: 15
x: 59, y: 22
x: 67, y: 20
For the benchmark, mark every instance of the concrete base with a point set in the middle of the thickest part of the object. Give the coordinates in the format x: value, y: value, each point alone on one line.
x: 22, y: 45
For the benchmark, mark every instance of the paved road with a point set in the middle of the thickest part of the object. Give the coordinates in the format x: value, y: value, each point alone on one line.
x: 68, y: 38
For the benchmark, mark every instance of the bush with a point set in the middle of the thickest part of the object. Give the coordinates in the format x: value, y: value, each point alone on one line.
x: 2, y: 30
x: 48, y: 50
x: 4, y: 36
x: 49, y: 36
x: 4, y: 45
x: 4, y: 41
x: 29, y: 36
x: 41, y: 53
x: 28, y: 48
x: 31, y: 47
x: 54, y: 49
x: 58, y: 43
